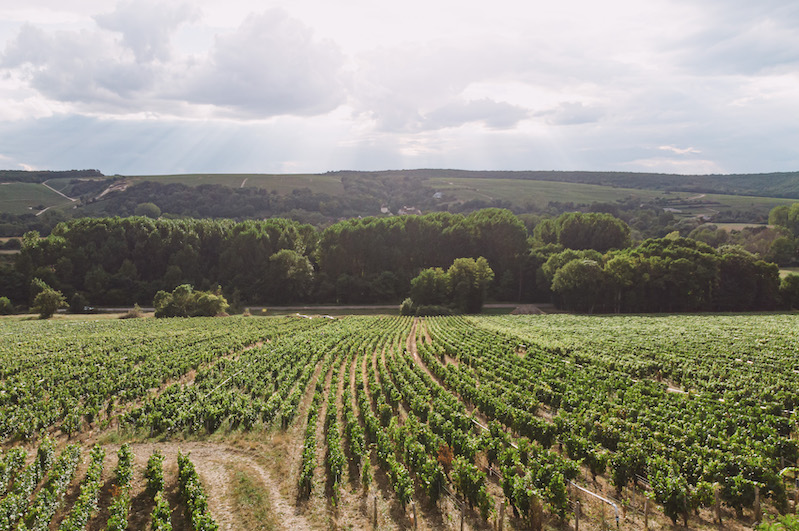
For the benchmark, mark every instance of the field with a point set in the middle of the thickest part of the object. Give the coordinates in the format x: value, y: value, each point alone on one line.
x: 20, y: 198
x: 521, y: 192
x: 282, y: 184
x: 333, y: 423
x: 26, y: 198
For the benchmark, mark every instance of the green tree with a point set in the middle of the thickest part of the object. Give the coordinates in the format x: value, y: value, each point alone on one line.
x: 430, y: 287
x: 292, y: 276
x: 184, y: 301
x: 78, y: 302
x: 789, y: 292
x: 6, y: 308
x: 598, y: 231
x: 468, y: 283
x: 37, y: 286
x: 581, y: 285
x: 47, y: 302
x: 148, y: 209
x: 779, y: 215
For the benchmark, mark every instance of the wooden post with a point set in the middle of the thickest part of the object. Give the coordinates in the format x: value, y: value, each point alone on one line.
x: 796, y: 498
x: 646, y: 513
x: 758, y: 512
x: 501, y: 522
x: 413, y: 507
x: 717, y: 495
x: 577, y: 516
x: 537, y: 516
x: 463, y: 515
x: 375, y: 512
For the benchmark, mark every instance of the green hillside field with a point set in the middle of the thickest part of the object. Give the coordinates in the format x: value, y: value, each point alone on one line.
x: 280, y: 183
x: 28, y: 198
x: 518, y: 192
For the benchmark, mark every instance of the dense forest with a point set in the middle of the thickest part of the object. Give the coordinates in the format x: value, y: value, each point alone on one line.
x: 587, y: 262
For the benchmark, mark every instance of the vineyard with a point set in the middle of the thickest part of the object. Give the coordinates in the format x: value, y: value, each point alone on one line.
x: 512, y: 422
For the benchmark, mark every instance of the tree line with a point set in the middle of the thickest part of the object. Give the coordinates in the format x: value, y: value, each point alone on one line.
x: 585, y: 262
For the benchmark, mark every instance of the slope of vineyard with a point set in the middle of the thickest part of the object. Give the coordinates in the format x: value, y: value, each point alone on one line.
x: 396, y: 422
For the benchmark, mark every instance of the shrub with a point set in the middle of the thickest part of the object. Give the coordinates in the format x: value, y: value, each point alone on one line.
x: 185, y: 302
x: 47, y: 302
x: 6, y: 308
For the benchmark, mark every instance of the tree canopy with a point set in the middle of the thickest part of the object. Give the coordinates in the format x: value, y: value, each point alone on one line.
x: 184, y: 301
x: 462, y: 288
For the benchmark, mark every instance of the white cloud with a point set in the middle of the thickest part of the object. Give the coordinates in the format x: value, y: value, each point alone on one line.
x: 681, y: 84
x: 667, y: 165
x: 83, y: 67
x: 271, y: 65
x: 680, y: 151
x: 147, y: 27
x: 572, y: 113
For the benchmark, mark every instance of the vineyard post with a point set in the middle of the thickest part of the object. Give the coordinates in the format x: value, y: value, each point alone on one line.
x: 758, y: 512
x: 717, y: 495
x: 501, y: 522
x: 375, y: 512
x: 577, y: 515
x: 646, y: 513
x: 603, y: 517
x: 463, y: 514
x: 413, y: 508
x: 796, y: 497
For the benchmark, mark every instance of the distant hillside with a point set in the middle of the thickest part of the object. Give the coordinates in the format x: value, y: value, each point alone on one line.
x: 21, y: 176
x: 39, y: 200
x: 784, y: 184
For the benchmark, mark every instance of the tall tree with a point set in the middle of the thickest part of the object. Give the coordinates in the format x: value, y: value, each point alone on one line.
x: 468, y: 281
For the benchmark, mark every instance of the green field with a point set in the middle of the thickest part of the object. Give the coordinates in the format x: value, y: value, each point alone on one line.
x: 290, y: 413
x: 522, y: 192
x: 538, y: 193
x: 282, y: 184
x: 739, y: 226
x: 519, y: 192
x: 25, y: 198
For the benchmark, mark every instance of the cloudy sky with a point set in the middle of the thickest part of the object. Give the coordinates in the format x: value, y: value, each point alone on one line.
x: 151, y: 87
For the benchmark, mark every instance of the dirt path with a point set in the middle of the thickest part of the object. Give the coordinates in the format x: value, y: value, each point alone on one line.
x: 58, y: 192
x: 412, y: 348
x: 215, y: 464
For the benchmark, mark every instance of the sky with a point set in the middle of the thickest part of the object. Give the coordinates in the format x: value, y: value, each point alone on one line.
x: 279, y: 86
